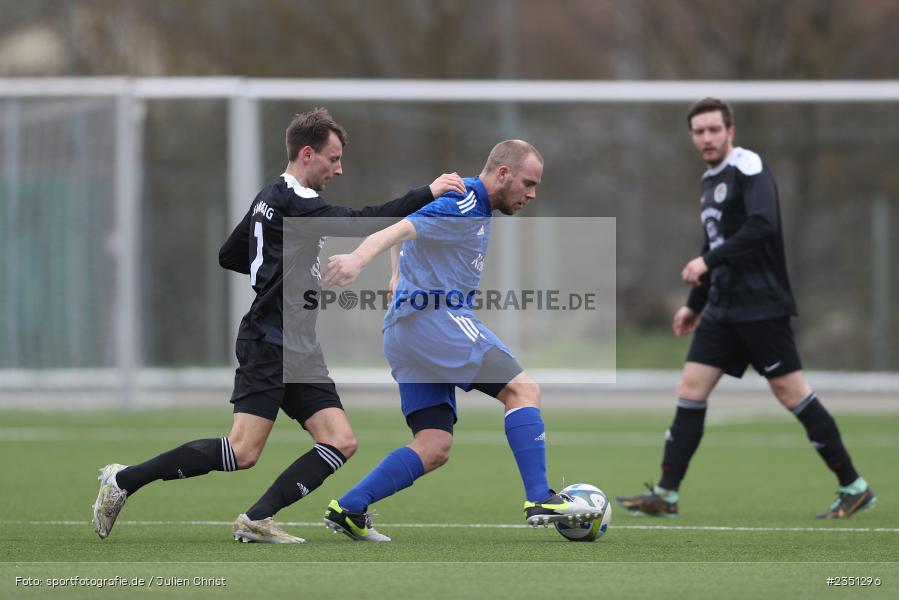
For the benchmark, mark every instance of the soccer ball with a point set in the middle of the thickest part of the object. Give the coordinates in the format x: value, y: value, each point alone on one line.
x: 587, y: 532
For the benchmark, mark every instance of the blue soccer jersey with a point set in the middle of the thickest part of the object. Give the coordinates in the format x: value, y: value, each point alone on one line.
x: 431, y: 334
x: 441, y: 268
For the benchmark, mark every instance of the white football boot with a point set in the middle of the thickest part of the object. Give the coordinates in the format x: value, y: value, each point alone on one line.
x: 264, y: 531
x: 110, y: 500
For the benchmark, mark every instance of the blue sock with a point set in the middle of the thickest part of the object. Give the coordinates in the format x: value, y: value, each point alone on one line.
x: 527, y: 439
x: 397, y: 471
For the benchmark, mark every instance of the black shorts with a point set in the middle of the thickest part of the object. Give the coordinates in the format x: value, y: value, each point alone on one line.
x: 441, y: 416
x: 259, y: 387
x: 767, y: 345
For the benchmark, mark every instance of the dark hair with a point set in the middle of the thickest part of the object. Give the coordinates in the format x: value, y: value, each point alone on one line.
x: 710, y: 105
x: 511, y: 153
x: 313, y: 129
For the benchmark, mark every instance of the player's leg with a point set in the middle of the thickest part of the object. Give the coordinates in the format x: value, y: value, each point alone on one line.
x: 682, y: 439
x: 257, y: 395
x: 772, y: 347
x: 526, y: 436
x: 854, y: 493
x: 239, y: 450
x: 317, y: 407
x: 432, y: 428
x: 501, y: 377
x: 429, y: 450
x: 714, y: 350
x: 525, y: 432
x: 248, y: 442
x: 334, y: 444
x: 683, y: 436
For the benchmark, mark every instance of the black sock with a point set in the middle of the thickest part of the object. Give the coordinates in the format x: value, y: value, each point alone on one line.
x: 681, y: 441
x: 824, y: 435
x: 299, y: 479
x: 192, y: 459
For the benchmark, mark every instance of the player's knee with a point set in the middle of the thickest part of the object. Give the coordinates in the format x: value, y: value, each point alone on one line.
x: 436, y: 456
x: 440, y: 457
x: 433, y: 446
x: 341, y: 438
x: 788, y: 395
x: 347, y: 444
x: 782, y: 393
x: 246, y: 454
x: 530, y: 393
x: 790, y: 389
x: 691, y: 389
x: 522, y: 394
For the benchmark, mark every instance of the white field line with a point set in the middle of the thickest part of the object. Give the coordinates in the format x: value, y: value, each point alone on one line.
x: 462, y: 437
x: 493, y: 526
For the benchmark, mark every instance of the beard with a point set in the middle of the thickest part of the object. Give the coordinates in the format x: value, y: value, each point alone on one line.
x: 720, y: 155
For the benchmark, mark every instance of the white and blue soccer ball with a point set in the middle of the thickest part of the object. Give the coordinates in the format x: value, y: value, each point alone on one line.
x: 592, y: 531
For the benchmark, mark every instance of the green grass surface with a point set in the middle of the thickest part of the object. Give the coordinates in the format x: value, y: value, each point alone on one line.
x: 759, y: 475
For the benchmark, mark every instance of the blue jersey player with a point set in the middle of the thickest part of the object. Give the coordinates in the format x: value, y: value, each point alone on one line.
x: 434, y: 343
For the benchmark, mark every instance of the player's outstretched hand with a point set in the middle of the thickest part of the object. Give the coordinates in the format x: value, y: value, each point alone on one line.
x: 685, y: 320
x: 448, y: 182
x: 694, y: 271
x: 343, y: 269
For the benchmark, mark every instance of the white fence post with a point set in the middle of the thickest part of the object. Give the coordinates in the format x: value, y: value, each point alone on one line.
x: 126, y: 243
x: 244, y: 180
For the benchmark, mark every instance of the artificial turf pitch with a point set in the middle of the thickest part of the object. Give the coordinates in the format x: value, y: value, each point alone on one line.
x: 746, y: 528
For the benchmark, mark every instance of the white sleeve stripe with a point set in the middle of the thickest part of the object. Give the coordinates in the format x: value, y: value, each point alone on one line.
x: 466, y: 199
x: 468, y: 205
x: 330, y: 453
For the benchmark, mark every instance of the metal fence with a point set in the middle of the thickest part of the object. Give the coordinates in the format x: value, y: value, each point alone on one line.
x: 116, y: 194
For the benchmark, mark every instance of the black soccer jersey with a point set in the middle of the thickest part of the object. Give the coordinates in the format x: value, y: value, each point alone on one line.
x: 258, y: 247
x: 744, y: 246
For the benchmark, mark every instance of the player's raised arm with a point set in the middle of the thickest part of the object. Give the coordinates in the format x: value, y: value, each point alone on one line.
x: 343, y: 269
x: 341, y: 221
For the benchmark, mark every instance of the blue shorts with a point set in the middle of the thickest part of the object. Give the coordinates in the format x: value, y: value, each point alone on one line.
x: 431, y: 354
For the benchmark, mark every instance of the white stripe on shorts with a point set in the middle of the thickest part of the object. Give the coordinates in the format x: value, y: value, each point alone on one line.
x: 465, y: 327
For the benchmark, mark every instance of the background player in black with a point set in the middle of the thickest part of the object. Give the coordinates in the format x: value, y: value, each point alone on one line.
x: 259, y: 247
x: 742, y: 292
